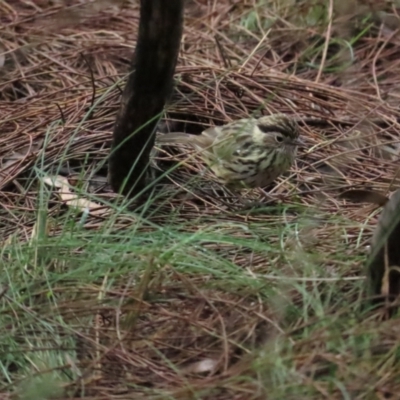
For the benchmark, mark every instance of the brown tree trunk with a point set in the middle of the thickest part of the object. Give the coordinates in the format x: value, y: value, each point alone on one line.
x: 146, y: 92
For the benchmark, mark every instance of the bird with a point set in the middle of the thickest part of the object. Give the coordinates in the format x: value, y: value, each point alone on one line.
x: 246, y: 153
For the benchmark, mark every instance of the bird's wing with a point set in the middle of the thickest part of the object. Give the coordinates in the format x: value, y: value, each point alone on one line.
x: 210, y: 135
x: 173, y: 137
x: 202, y: 141
x: 230, y: 138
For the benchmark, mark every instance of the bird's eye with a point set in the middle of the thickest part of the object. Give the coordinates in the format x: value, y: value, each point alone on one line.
x: 279, y: 138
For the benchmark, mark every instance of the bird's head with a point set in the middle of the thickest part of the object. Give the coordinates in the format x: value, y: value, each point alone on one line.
x: 279, y: 130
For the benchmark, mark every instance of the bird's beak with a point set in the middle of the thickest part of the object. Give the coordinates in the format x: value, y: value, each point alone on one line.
x: 298, y: 142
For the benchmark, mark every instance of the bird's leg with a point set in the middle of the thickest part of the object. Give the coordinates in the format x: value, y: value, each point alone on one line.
x: 265, y: 201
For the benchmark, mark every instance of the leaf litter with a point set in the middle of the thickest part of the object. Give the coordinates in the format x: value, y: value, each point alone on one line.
x: 237, y: 59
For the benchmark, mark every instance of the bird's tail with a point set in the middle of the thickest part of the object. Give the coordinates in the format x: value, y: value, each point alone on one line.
x: 175, y: 138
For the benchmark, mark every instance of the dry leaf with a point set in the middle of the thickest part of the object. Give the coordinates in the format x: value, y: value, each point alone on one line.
x: 364, y: 196
x: 200, y: 367
x: 72, y: 199
x: 56, y: 181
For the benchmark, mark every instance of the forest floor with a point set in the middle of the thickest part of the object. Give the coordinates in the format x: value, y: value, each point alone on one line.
x: 191, y: 294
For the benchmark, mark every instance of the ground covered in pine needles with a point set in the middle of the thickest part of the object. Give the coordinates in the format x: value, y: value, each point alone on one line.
x: 195, y: 292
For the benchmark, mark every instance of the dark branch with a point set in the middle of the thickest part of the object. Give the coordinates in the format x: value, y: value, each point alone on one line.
x: 383, y: 276
x: 146, y: 92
